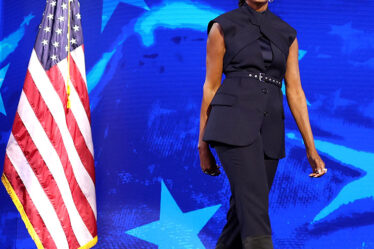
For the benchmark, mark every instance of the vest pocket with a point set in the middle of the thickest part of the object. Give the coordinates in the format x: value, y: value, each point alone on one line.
x: 224, y: 99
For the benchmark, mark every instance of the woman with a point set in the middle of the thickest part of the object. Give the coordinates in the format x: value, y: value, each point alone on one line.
x: 243, y: 118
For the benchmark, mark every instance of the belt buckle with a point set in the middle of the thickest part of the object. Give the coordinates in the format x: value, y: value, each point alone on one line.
x: 261, y: 76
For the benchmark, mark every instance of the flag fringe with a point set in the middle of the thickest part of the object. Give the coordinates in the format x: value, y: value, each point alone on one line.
x: 89, y: 244
x: 22, y: 212
x: 26, y: 220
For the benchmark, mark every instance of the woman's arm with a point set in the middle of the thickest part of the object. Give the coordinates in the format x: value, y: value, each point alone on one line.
x: 297, y: 103
x: 215, y: 51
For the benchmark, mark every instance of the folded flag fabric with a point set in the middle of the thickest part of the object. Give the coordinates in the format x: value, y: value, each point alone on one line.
x: 49, y: 163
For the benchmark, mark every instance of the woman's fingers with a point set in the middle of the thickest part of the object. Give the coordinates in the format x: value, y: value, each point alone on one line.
x: 208, y: 163
x: 318, y: 165
x: 319, y: 172
x: 213, y: 170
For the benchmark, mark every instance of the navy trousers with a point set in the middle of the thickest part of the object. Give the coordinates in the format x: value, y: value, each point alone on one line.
x: 250, y: 173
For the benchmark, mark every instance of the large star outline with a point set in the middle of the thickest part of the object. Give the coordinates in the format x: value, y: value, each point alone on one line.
x: 110, y: 5
x: 358, y: 189
x: 7, y: 46
x: 175, y: 229
x: 3, y: 72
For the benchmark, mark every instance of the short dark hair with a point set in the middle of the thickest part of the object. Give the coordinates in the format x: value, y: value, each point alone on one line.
x: 241, y: 2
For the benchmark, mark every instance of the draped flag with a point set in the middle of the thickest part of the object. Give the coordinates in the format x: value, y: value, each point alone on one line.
x: 49, y: 162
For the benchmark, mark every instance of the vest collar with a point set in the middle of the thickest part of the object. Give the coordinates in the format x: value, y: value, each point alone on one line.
x: 255, y: 16
x: 267, y: 23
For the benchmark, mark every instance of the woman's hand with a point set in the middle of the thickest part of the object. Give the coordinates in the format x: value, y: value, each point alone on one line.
x: 317, y: 164
x: 214, y: 63
x: 207, y: 161
x: 298, y: 106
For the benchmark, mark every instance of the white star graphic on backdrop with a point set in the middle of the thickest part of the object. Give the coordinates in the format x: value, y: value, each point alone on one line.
x: 61, y: 18
x: 54, y: 57
x: 53, y: 3
x: 47, y: 29
x: 73, y: 41
x: 64, y: 6
x: 78, y: 16
x: 59, y: 31
x: 50, y: 17
x: 45, y: 42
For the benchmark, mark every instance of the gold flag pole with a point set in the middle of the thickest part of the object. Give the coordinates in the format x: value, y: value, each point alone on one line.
x: 68, y: 78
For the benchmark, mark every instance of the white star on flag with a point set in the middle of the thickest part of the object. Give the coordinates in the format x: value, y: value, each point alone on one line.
x: 56, y: 44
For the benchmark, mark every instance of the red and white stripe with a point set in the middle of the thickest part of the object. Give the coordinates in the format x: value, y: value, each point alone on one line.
x: 50, y: 158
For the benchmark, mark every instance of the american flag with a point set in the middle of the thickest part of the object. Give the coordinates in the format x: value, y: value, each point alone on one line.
x: 49, y: 162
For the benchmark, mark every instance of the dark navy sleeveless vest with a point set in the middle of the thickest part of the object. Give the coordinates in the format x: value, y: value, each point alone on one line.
x: 243, y: 107
x: 255, y: 41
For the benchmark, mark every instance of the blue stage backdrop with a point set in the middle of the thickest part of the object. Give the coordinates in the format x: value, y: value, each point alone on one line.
x: 146, y: 68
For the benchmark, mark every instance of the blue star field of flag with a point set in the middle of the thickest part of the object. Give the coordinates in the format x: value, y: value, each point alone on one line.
x: 52, y: 41
x: 145, y: 62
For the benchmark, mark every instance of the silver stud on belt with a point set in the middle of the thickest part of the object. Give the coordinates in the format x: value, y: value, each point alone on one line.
x: 261, y: 77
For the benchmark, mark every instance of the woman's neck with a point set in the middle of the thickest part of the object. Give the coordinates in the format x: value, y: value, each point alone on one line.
x: 258, y: 7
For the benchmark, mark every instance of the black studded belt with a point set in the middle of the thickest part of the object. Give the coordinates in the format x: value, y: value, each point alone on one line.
x: 259, y: 76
